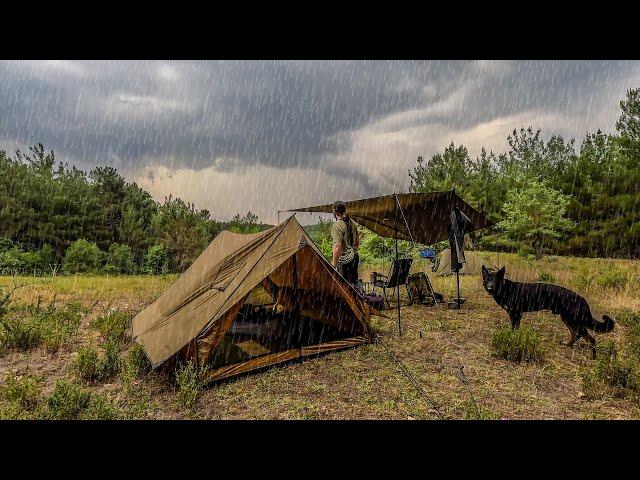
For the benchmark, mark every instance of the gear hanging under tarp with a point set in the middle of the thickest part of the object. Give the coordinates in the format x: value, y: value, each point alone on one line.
x: 459, y: 227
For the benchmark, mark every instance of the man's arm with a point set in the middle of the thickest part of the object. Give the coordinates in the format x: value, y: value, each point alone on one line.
x: 337, y: 251
x: 336, y: 237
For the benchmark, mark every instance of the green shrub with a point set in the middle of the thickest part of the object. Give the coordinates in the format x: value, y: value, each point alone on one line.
x: 91, y: 367
x: 13, y: 411
x: 627, y: 317
x: 472, y: 411
x: 120, y: 259
x: 110, y: 365
x: 156, y: 261
x: 613, y: 370
x: 23, y: 391
x: 82, y: 257
x: 523, y: 344
x: 611, y: 374
x: 631, y: 320
x: 34, y: 325
x: 67, y: 401
x: 137, y: 363
x: 5, y: 244
x: 114, y: 326
x: 38, y: 262
x: 614, y: 278
x: 591, y: 387
x: 86, y: 364
x: 547, y: 277
x: 59, y: 325
x: 137, y: 405
x: 11, y: 262
x: 101, y: 408
x: 189, y: 381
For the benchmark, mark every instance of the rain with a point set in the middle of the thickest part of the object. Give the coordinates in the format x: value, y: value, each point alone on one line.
x: 151, y: 264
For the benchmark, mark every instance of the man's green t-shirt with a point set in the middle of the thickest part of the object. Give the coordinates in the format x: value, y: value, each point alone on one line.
x: 340, y: 234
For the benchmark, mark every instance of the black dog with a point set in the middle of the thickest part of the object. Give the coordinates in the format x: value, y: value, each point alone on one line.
x: 518, y: 297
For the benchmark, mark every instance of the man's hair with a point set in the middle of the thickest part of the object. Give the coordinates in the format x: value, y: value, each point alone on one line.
x: 340, y: 207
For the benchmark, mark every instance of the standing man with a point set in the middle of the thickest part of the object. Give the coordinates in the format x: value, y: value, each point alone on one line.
x: 344, y: 233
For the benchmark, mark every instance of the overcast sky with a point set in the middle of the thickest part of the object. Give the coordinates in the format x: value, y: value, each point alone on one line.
x: 270, y: 135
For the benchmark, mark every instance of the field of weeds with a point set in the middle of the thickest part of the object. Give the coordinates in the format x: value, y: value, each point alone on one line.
x: 65, y: 353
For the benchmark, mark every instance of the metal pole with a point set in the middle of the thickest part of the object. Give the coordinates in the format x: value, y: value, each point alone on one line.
x: 458, y: 282
x: 395, y: 221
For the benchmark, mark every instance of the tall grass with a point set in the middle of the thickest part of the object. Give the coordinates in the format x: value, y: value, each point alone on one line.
x: 521, y: 345
x: 26, y: 327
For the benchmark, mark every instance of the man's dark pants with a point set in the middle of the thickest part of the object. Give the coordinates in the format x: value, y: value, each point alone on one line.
x: 350, y: 270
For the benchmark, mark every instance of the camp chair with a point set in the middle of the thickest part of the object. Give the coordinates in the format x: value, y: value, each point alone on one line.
x: 398, y: 275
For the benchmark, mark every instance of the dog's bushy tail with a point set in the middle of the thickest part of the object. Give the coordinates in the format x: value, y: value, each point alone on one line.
x: 603, y: 327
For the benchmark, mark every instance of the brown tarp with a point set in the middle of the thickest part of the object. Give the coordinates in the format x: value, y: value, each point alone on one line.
x: 193, y: 314
x: 427, y: 215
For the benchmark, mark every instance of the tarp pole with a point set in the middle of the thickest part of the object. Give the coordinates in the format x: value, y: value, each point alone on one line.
x: 395, y: 217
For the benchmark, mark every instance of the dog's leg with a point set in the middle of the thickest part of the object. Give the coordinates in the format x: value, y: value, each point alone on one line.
x: 515, y: 319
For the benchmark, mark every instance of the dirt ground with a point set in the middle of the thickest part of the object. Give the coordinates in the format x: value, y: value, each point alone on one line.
x: 446, y: 352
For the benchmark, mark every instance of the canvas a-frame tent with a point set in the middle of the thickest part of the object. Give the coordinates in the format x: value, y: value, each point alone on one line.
x: 207, y: 315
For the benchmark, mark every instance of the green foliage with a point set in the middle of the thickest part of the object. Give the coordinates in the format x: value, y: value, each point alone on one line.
x: 28, y: 327
x: 628, y: 317
x: 114, y: 326
x: 137, y: 363
x: 189, y: 381
x: 614, y: 278
x: 42, y: 202
x: 611, y: 374
x: 535, y: 213
x: 472, y: 411
x: 602, y: 181
x: 521, y: 345
x: 82, y: 257
x: 91, y: 367
x: 14, y: 261
x: 111, y: 364
x: 320, y: 233
x: 156, y: 260
x: 246, y: 224
x: 85, y: 364
x: 67, y: 401
x: 631, y: 320
x: 547, y: 277
x: 100, y: 408
x: 373, y: 248
x: 120, y: 259
x: 23, y: 391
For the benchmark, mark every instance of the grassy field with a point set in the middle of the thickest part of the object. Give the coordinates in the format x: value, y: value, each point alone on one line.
x: 451, y: 354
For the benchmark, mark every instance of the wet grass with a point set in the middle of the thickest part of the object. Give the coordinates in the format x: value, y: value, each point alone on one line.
x: 448, y: 352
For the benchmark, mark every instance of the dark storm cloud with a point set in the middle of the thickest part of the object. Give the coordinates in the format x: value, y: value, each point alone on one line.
x: 279, y: 113
x: 344, y: 118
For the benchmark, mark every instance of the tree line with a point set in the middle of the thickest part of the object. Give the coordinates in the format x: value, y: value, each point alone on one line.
x: 545, y: 196
x: 56, y: 217
x: 548, y: 195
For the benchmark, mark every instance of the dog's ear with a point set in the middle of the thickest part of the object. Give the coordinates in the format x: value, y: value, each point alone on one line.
x: 484, y: 271
x: 500, y: 273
